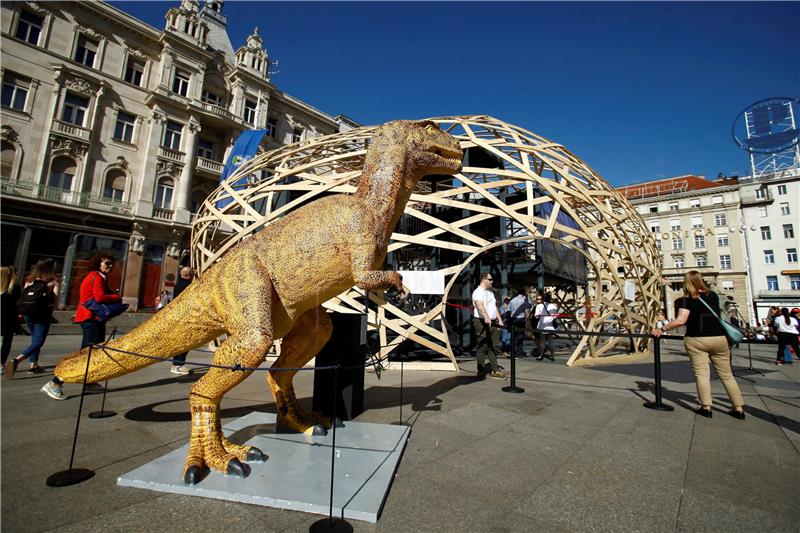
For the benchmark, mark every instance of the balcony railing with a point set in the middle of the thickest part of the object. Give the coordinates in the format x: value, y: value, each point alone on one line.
x: 217, y: 110
x: 169, y: 153
x: 209, y: 166
x: 71, y: 130
x: 160, y: 213
x: 63, y: 196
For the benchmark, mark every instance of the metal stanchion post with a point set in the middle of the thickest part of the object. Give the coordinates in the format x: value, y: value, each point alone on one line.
x: 72, y: 476
x: 513, y: 387
x: 102, y: 413
x: 657, y: 405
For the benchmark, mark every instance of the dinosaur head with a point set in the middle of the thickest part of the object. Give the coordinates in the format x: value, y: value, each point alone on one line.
x: 420, y: 146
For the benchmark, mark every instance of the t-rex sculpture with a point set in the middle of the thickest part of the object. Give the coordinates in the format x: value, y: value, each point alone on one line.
x: 272, y: 286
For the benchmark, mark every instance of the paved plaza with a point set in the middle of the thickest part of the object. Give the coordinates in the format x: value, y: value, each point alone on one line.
x: 575, y: 452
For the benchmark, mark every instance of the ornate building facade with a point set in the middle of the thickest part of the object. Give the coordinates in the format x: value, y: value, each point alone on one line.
x: 113, y: 132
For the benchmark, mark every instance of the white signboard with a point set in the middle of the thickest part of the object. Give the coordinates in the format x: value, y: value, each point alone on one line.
x: 423, y: 282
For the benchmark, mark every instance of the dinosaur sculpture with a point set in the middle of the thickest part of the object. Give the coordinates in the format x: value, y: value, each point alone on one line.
x: 272, y: 287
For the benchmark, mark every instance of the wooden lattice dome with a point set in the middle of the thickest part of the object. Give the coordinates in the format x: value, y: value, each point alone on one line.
x: 530, y: 184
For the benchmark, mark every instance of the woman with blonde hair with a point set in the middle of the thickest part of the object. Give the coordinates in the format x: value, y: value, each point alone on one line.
x: 9, y: 295
x: 36, y: 303
x: 705, y: 341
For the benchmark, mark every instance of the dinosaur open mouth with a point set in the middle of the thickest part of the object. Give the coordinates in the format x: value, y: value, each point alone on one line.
x: 450, y: 155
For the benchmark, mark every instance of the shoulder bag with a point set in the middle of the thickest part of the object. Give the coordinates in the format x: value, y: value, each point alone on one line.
x: 104, y: 312
x: 733, y: 333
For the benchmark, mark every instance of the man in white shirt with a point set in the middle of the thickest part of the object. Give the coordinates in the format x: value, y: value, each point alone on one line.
x: 545, y: 312
x: 484, y: 316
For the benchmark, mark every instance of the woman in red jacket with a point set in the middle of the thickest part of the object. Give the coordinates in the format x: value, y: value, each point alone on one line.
x: 95, y: 285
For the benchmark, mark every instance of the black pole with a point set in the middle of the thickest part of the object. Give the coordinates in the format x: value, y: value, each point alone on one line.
x: 72, y: 476
x: 513, y: 387
x: 657, y: 405
x: 331, y: 524
x: 102, y: 413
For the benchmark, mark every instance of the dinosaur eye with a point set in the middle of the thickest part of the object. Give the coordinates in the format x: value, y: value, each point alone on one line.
x: 430, y: 129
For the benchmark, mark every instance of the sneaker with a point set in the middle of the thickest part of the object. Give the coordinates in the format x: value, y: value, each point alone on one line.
x: 35, y: 370
x: 54, y: 391
x: 779, y: 363
x: 497, y: 374
x: 11, y: 367
x: 183, y: 370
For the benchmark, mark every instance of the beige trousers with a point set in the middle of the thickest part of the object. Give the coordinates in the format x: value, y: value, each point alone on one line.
x: 703, y: 349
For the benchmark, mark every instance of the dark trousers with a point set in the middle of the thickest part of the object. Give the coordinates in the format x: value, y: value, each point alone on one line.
x: 94, y: 332
x: 179, y: 359
x: 518, y: 336
x: 787, y: 339
x: 8, y: 336
x: 39, y: 332
x: 546, y: 343
x: 488, y: 337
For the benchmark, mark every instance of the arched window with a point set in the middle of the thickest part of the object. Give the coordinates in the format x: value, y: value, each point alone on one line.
x: 164, y: 190
x: 114, y: 187
x: 62, y: 170
x: 7, y: 160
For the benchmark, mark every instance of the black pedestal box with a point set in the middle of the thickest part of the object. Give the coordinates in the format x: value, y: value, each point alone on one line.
x: 347, y: 348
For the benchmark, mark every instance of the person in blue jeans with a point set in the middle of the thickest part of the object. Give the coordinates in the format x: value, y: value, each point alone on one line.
x: 42, y: 280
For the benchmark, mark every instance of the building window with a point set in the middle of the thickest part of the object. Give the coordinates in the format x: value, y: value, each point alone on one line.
x: 249, y: 112
x: 654, y: 209
x: 701, y: 261
x: 655, y: 227
x: 788, y: 231
x: 699, y: 241
x: 725, y: 262
x: 29, y: 27
x: 172, y: 135
x: 658, y: 244
x: 61, y: 173
x: 123, y: 131
x: 785, y: 208
x: 15, y: 92
x: 75, y: 108
x: 781, y: 189
x: 272, y: 128
x: 727, y: 285
x: 766, y: 234
x: 794, y: 283
x: 212, y: 98
x: 180, y: 82
x: 675, y: 225
x: 694, y: 202
x: 772, y: 283
x: 716, y: 199
x: 762, y: 211
x: 673, y: 206
x: 9, y: 155
x: 205, y: 149
x: 720, y: 219
x: 791, y: 255
x: 722, y: 240
x: 297, y: 134
x: 114, y: 186
x: 86, y: 51
x: 769, y: 257
x: 677, y: 243
x: 678, y: 261
x: 134, y: 70
x: 164, y: 190
x: 697, y: 222
x: 761, y: 193
x: 198, y: 197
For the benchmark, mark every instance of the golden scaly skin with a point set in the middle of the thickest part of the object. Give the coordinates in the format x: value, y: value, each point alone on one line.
x: 272, y: 286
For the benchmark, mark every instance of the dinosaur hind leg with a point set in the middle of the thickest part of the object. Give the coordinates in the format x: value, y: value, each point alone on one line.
x: 207, y: 446
x: 309, y: 334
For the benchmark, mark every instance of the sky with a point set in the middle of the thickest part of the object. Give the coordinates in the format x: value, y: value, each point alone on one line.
x: 639, y: 91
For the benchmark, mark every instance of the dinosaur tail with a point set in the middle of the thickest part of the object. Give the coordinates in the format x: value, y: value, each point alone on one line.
x: 169, y: 332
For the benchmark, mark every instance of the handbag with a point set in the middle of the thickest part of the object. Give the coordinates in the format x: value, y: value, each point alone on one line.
x: 733, y: 333
x: 104, y: 312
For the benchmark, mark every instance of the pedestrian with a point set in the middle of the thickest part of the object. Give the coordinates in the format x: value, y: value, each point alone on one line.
x: 705, y: 341
x: 517, y: 309
x: 505, y: 335
x: 485, y: 315
x: 185, y: 277
x: 774, y: 312
x: 545, y: 315
x: 94, y: 286
x: 9, y: 296
x: 787, y: 328
x: 36, y: 304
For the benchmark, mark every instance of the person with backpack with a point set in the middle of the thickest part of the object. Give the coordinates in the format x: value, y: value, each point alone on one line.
x: 9, y: 297
x: 36, y: 304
